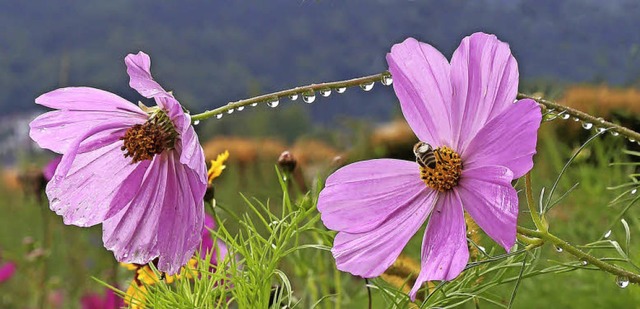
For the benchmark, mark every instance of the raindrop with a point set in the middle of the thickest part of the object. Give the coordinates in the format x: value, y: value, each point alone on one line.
x: 565, y: 116
x: 218, y: 116
x: 309, y: 97
x: 632, y: 140
x: 240, y: 108
x: 576, y: 119
x: 584, y: 262
x: 587, y: 125
x: 367, y: 86
x: 341, y: 89
x: 599, y: 130
x: 607, y: 234
x: 387, y: 80
x: 614, y: 133
x: 230, y: 111
x: 634, y: 191
x: 254, y: 104
x: 197, y: 122
x: 622, y: 281
x: 273, y: 103
x: 558, y: 249
x: 293, y: 97
x: 482, y: 249
x: 600, y: 119
x: 325, y: 92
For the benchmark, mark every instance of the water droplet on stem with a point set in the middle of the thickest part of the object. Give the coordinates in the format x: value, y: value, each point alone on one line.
x: 309, y: 97
x: 218, y: 116
x: 325, y: 92
x: 293, y: 97
x: 607, y: 234
x: 197, y: 122
x: 587, y: 125
x: 558, y: 249
x: 622, y: 281
x: 341, y: 89
x: 273, y: 102
x: 367, y: 86
x: 387, y: 80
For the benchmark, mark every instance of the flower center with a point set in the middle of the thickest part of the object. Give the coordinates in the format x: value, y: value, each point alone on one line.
x: 143, y: 141
x: 440, y: 168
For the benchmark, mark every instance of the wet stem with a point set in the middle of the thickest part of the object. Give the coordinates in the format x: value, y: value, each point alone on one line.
x: 536, y: 238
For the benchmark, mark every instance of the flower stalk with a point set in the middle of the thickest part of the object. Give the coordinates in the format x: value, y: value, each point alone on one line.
x: 584, y: 117
x: 300, y: 90
x: 583, y: 256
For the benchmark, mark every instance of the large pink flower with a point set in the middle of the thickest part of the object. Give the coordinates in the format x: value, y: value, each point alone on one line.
x: 475, y: 141
x: 140, y: 171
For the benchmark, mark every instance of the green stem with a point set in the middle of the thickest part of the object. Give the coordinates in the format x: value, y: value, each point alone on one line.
x: 583, y: 256
x: 582, y: 116
x: 293, y: 91
x: 537, y: 220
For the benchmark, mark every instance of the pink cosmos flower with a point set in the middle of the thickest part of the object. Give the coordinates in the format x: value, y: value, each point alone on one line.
x: 474, y: 142
x: 7, y: 270
x: 96, y: 301
x: 138, y: 170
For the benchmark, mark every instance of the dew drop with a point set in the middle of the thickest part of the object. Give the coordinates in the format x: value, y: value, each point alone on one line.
x: 218, y: 116
x: 197, y: 122
x: 309, y: 97
x: 253, y: 104
x: 587, y: 125
x: 341, y: 89
x: 634, y: 191
x: 599, y: 130
x: 576, y: 119
x: 600, y: 120
x: 482, y: 249
x: 622, y: 281
x: 240, y: 108
x: 367, y: 86
x: 614, y: 133
x: 632, y: 140
x: 565, y: 116
x: 325, y: 92
x: 558, y: 249
x: 584, y: 262
x: 293, y: 97
x: 230, y: 111
x: 387, y: 80
x: 607, y: 234
x: 273, y: 103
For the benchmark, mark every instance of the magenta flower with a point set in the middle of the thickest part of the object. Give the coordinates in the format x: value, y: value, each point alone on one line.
x: 474, y: 142
x: 7, y: 270
x: 96, y: 301
x: 140, y: 171
x: 207, y: 242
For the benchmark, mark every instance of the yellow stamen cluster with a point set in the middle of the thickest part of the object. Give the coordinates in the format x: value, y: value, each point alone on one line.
x: 446, y: 173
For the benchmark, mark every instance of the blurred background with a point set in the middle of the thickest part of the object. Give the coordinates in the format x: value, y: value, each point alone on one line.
x: 584, y: 53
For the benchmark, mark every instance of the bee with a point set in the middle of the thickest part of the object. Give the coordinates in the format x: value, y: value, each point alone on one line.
x: 425, y: 155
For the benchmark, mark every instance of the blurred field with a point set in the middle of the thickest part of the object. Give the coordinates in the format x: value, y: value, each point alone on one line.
x: 37, y: 240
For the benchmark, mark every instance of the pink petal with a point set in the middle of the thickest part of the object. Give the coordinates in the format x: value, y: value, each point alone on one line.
x: 83, y: 197
x: 140, y: 79
x: 87, y: 99
x: 7, y: 270
x: 484, y: 75
x: 508, y: 140
x: 191, y: 152
x: 371, y: 253
x: 181, y: 231
x: 164, y: 219
x: 421, y: 82
x: 50, y: 169
x: 444, y: 246
x: 359, y: 197
x: 487, y: 195
x: 82, y: 110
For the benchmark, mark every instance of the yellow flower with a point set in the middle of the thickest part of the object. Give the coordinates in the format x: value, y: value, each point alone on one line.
x: 217, y: 166
x: 135, y: 296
